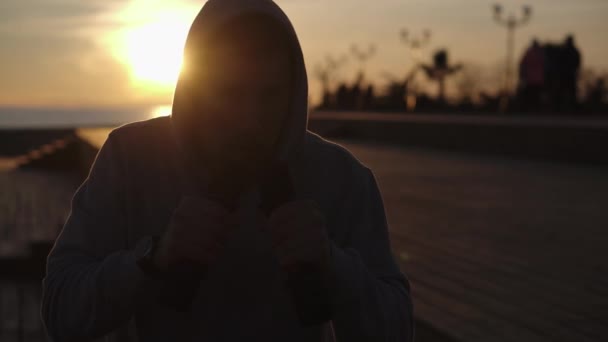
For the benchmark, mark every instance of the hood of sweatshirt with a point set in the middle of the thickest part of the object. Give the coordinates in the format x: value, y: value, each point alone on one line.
x: 212, y: 16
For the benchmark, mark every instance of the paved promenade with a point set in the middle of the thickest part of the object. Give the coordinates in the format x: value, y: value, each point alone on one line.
x: 498, y: 249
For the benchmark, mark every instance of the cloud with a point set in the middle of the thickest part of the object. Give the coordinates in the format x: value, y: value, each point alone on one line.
x: 51, y: 55
x: 57, y: 70
x: 54, y: 17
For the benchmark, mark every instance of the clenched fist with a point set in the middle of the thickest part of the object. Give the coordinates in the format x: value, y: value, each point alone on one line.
x: 303, y: 248
x: 197, y: 233
x: 299, y: 236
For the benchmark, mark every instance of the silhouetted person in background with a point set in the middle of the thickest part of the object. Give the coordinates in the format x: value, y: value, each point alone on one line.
x: 552, y: 79
x: 190, y: 227
x: 532, y: 76
x: 569, y: 70
x: 368, y: 98
x: 342, y: 97
x: 597, y: 95
x: 355, y: 101
x: 327, y: 100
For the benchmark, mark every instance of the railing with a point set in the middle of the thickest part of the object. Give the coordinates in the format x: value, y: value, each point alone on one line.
x: 34, y: 204
x: 21, y: 294
x: 564, y: 139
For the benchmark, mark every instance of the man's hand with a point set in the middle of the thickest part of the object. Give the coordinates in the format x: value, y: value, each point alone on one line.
x: 299, y: 237
x: 198, y: 231
x: 303, y: 248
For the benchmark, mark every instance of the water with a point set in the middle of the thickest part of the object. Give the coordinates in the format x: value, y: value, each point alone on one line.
x: 15, y: 117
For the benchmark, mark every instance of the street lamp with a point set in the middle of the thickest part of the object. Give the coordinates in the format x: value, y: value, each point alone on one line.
x: 362, y: 56
x: 415, y: 43
x: 326, y: 72
x: 511, y: 22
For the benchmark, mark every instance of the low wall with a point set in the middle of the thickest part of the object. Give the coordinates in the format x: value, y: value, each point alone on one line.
x: 548, y: 138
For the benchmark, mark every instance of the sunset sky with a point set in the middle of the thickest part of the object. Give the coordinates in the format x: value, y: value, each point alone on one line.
x: 73, y: 53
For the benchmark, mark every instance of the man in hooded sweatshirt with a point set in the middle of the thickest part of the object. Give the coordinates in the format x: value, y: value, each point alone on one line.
x: 228, y: 220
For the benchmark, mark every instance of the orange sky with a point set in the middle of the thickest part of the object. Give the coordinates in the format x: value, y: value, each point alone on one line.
x: 126, y: 52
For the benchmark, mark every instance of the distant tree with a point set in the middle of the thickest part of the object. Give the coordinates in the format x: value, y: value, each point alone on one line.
x: 440, y: 70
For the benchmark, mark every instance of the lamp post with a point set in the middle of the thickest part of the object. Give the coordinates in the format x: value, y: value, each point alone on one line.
x: 325, y: 74
x: 511, y: 22
x: 414, y: 44
x: 362, y: 56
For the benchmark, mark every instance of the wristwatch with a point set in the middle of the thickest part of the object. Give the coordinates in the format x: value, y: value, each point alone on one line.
x: 144, y: 255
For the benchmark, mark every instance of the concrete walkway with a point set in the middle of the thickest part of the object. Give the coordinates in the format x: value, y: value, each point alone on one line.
x: 498, y: 249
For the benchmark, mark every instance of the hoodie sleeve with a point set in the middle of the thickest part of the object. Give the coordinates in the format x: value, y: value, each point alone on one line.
x: 92, y: 279
x: 371, y: 296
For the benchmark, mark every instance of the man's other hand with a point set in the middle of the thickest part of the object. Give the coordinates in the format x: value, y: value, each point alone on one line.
x: 299, y: 235
x: 198, y: 232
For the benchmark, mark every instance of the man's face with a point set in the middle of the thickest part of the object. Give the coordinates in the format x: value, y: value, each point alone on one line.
x: 241, y: 106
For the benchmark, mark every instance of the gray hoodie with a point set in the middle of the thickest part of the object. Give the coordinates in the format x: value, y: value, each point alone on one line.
x: 93, y: 288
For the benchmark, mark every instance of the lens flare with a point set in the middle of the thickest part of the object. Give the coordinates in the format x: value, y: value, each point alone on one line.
x: 150, y: 42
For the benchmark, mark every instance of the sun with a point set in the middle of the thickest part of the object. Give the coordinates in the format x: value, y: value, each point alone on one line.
x: 154, y: 51
x: 152, y: 47
x: 159, y: 111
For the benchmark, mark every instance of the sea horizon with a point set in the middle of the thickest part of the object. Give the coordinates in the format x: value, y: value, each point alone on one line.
x: 15, y: 117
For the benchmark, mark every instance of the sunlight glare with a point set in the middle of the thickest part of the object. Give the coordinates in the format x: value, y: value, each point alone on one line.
x: 155, y: 51
x: 161, y: 111
x: 151, y: 44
